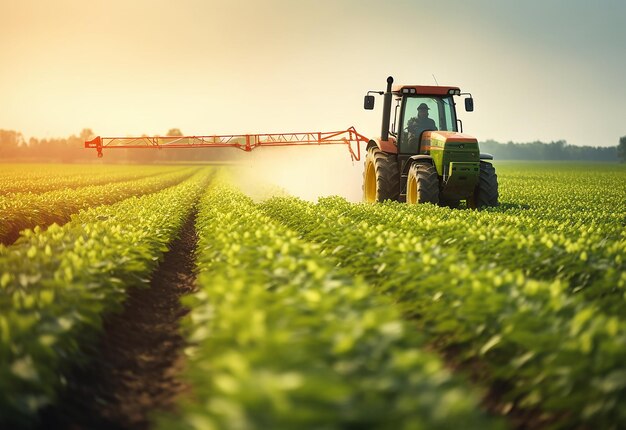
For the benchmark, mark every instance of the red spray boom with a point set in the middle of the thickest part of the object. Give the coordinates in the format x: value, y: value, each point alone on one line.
x: 247, y: 142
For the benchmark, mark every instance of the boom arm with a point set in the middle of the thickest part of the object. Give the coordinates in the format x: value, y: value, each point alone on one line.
x: 246, y: 142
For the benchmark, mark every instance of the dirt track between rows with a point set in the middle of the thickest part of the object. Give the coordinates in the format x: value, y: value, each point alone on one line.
x: 139, y: 355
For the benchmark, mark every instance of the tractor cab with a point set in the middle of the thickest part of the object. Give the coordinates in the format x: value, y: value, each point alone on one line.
x: 421, y: 111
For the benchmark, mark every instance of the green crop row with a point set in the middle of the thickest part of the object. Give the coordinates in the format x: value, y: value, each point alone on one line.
x: 36, y: 171
x: 57, y: 285
x: 88, y: 176
x: 554, y: 352
x: 576, y: 194
x: 282, y: 338
x: 22, y: 211
x: 588, y: 258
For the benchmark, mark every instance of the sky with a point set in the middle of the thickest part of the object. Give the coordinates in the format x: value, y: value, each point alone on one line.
x: 538, y: 70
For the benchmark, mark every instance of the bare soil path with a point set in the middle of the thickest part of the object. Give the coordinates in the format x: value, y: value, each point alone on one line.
x: 139, y: 354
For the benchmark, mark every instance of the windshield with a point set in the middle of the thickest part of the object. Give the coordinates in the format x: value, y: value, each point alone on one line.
x: 422, y: 114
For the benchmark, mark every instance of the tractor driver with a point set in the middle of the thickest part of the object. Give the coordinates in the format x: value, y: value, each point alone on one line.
x: 422, y: 122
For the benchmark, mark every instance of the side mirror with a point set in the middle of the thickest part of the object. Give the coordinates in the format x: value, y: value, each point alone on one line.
x: 469, y: 104
x: 368, y: 102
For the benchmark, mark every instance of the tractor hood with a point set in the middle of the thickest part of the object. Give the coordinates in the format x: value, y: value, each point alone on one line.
x: 456, y: 158
x: 440, y: 140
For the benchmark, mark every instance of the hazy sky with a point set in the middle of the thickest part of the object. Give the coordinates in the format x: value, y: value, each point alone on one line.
x: 544, y: 70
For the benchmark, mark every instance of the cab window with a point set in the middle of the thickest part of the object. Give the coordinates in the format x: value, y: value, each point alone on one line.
x: 437, y: 113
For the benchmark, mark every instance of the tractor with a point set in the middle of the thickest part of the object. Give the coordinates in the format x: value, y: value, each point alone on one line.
x: 423, y: 157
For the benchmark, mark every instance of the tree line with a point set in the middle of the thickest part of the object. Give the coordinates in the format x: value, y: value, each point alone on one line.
x: 553, y: 151
x: 13, y: 146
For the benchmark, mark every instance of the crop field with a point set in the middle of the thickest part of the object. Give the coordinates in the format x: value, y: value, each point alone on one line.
x: 165, y: 297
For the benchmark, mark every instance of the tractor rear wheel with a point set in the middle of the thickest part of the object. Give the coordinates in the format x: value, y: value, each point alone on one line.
x: 381, y: 178
x: 486, y: 191
x: 422, y: 184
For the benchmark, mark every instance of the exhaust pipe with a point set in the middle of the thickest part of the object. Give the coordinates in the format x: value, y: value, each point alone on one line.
x: 384, y: 132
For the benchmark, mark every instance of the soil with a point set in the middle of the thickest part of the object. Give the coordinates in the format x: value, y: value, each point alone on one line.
x: 139, y: 355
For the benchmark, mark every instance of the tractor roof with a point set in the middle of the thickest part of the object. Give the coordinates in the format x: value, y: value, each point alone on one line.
x: 425, y: 90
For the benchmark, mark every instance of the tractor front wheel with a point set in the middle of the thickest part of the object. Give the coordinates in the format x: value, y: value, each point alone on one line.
x: 381, y: 178
x: 486, y: 191
x: 422, y: 184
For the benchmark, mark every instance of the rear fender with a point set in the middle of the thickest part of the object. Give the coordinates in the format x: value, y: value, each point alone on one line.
x: 485, y: 156
x: 389, y: 146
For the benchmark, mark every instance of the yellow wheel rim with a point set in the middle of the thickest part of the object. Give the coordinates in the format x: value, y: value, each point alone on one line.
x: 411, y: 190
x: 370, y: 183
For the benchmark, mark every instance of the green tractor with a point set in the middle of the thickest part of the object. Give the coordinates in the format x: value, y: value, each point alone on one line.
x: 422, y: 157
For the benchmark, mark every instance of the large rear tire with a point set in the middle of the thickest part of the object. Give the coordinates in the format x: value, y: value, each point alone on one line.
x: 422, y: 184
x: 486, y: 191
x: 381, y: 178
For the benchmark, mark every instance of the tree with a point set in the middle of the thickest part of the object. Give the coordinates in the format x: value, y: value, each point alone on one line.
x: 621, y: 149
x: 174, y: 132
x: 86, y: 134
x: 9, y: 142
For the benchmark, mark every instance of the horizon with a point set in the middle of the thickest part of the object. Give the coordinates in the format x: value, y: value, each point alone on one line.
x: 77, y: 135
x: 263, y: 67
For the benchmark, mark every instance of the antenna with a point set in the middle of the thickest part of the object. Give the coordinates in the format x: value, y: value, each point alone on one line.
x: 435, y: 79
